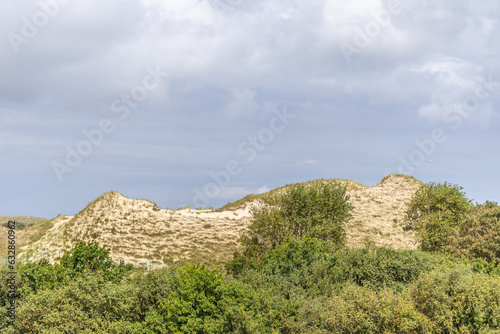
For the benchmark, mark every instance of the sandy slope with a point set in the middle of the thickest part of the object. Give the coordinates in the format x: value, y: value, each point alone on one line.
x: 138, y: 231
x: 379, y: 212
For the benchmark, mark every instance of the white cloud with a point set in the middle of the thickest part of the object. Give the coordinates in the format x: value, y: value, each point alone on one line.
x: 453, y: 84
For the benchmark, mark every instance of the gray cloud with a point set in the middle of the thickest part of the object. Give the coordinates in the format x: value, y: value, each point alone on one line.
x: 227, y: 65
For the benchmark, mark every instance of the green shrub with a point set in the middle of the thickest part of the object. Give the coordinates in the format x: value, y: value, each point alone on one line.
x: 358, y: 309
x: 483, y: 266
x: 319, y: 268
x: 153, y: 287
x: 41, y: 275
x: 478, y: 235
x: 92, y: 258
x: 435, y: 211
x: 301, y: 211
x: 458, y: 301
x: 84, y: 259
x: 5, y: 298
x: 274, y: 298
x: 384, y: 267
x: 86, y: 305
x: 200, y: 301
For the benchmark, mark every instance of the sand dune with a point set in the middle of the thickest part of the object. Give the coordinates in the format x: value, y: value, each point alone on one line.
x: 139, y: 232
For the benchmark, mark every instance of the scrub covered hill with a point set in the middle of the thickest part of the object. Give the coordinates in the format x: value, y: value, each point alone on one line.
x: 140, y: 233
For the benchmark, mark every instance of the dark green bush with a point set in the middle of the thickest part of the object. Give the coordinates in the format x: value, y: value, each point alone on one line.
x: 435, y: 211
x: 385, y: 267
x: 92, y: 258
x: 301, y: 211
x: 6, y: 280
x: 153, y: 287
x: 317, y: 267
x: 201, y: 301
x: 4, y: 285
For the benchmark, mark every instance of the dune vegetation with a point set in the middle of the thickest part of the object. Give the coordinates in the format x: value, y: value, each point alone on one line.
x: 295, y: 272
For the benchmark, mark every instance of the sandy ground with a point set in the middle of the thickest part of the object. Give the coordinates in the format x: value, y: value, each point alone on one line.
x: 379, y: 212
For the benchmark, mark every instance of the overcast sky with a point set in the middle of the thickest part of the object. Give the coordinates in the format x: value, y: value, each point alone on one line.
x: 201, y: 102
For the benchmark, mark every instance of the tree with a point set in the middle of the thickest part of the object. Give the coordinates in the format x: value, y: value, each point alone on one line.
x: 91, y: 258
x: 318, y: 210
x: 434, y: 212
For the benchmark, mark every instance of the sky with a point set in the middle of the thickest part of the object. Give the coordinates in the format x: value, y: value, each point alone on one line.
x: 201, y: 102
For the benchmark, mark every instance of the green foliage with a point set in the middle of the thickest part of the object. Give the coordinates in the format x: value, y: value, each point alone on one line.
x: 437, y: 197
x: 358, y: 309
x: 375, y: 290
x: 294, y: 276
x: 153, y: 287
x: 6, y: 282
x: 84, y: 259
x: 90, y: 257
x: 41, y: 275
x: 435, y: 230
x: 384, y: 267
x: 301, y: 286
x: 478, y: 235
x: 446, y: 221
x: 317, y: 267
x: 86, y: 305
x: 458, y: 301
x: 435, y: 211
x: 301, y: 211
x: 485, y: 267
x: 200, y: 302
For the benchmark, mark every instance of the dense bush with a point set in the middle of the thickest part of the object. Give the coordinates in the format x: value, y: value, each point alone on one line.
x: 446, y: 221
x: 478, y: 235
x: 356, y: 309
x: 458, y: 301
x: 318, y: 268
x: 301, y: 211
x: 201, y: 301
x: 41, y: 283
x: 83, y: 259
x: 5, y: 282
x: 384, y: 267
x: 435, y: 211
x: 41, y: 275
x: 153, y: 287
x: 372, y: 290
x: 92, y: 258
x: 87, y: 305
x: 302, y: 286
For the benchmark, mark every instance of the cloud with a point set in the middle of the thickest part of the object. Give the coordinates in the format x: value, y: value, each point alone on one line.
x: 307, y: 162
x: 458, y: 88
x: 228, y: 63
x: 243, y: 103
